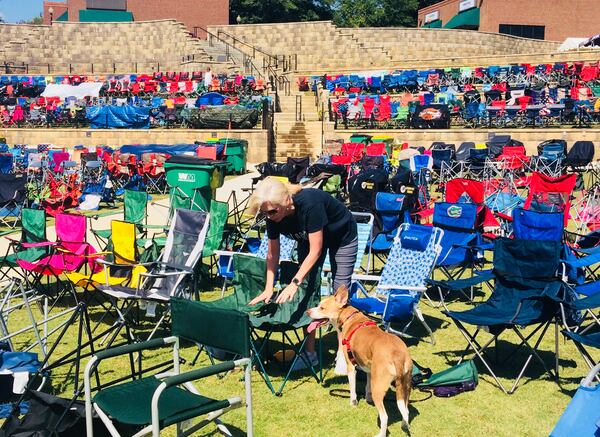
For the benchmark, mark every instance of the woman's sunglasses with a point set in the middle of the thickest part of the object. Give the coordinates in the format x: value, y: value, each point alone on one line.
x: 270, y: 212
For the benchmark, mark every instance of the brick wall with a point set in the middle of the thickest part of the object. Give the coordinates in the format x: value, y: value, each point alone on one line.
x: 190, y: 12
x: 59, y: 9
x: 562, y: 18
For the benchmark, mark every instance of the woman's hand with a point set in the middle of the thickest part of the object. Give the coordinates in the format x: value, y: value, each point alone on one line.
x: 287, y: 294
x: 265, y: 297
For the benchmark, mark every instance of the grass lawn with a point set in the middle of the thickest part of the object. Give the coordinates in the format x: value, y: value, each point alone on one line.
x: 311, y: 409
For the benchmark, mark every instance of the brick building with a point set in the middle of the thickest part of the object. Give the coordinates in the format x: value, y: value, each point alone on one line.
x: 193, y: 13
x: 553, y: 20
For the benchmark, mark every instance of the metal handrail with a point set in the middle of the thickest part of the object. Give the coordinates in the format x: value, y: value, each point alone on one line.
x: 254, y: 48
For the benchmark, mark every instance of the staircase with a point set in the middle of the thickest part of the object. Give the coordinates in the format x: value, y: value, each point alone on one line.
x: 297, y: 137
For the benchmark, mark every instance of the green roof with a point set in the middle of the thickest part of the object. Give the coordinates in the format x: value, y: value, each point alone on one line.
x: 464, y: 20
x: 63, y: 17
x: 99, y: 16
x: 433, y: 24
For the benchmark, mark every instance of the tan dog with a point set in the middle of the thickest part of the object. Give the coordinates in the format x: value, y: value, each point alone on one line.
x: 382, y: 356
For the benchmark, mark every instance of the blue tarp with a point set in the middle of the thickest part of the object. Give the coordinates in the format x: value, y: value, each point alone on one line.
x: 171, y: 149
x: 132, y: 117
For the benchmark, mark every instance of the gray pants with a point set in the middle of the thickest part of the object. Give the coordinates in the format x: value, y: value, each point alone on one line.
x: 342, y: 264
x: 342, y: 261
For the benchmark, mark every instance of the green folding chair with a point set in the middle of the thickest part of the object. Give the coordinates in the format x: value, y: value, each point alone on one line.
x: 270, y: 319
x: 153, y: 404
x: 29, y: 247
x: 135, y: 210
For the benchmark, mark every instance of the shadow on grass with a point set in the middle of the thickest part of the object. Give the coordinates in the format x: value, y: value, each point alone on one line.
x: 506, y: 359
x: 390, y: 403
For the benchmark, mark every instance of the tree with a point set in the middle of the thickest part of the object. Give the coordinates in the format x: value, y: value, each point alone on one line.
x: 279, y: 11
x: 375, y: 13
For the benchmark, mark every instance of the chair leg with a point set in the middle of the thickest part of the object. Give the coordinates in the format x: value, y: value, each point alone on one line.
x: 479, y: 352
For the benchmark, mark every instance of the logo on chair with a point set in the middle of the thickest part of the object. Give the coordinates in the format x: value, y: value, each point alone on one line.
x: 186, y: 177
x: 454, y: 211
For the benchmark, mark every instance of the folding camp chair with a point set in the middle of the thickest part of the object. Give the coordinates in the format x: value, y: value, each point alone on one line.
x: 33, y: 222
x: 548, y: 193
x: 166, y: 277
x: 269, y: 319
x: 389, y: 210
x: 13, y: 198
x: 462, y: 245
x: 527, y: 293
x: 287, y: 247
x: 69, y: 253
x: 157, y: 402
x: 135, y: 210
x: 402, y: 281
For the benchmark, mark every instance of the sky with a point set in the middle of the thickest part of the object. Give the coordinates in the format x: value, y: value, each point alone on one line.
x: 13, y: 11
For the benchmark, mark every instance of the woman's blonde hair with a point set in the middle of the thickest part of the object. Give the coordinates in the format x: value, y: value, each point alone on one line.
x: 271, y: 190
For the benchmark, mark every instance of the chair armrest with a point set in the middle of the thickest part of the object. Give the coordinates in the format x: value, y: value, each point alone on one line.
x: 135, y: 347
x: 401, y: 287
x: 41, y: 244
x: 224, y: 252
x: 360, y: 277
x: 204, y: 372
x: 165, y: 274
x: 110, y: 263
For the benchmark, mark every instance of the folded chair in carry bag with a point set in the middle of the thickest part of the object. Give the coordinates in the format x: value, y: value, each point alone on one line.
x: 153, y: 403
x: 402, y: 281
x: 527, y: 293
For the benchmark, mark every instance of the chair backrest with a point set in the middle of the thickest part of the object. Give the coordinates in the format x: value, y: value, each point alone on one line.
x: 34, y: 225
x: 218, y: 219
x: 70, y: 228
x: 135, y: 203
x: 456, y: 216
x: 527, y: 259
x: 211, y: 326
x: 123, y: 238
x: 457, y: 189
x: 547, y: 193
x: 12, y: 189
x: 412, y: 257
x: 535, y: 225
x: 286, y: 248
x: 185, y: 239
x: 389, y: 209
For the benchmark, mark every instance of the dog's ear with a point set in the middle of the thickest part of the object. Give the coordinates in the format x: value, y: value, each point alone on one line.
x: 341, y: 295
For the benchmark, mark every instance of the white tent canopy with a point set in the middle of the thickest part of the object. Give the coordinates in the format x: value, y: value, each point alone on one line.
x: 85, y: 89
x: 571, y: 43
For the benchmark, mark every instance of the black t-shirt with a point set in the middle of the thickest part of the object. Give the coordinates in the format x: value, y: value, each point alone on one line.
x: 316, y: 210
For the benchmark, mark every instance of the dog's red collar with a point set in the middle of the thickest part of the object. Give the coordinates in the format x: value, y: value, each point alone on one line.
x: 346, y: 341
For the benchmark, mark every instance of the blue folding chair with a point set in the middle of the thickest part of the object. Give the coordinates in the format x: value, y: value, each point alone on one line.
x: 582, y: 416
x: 527, y: 293
x: 403, y: 279
x: 535, y: 225
x: 389, y: 210
x: 462, y: 245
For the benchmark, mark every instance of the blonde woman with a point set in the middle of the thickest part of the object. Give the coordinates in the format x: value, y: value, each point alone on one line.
x: 320, y: 224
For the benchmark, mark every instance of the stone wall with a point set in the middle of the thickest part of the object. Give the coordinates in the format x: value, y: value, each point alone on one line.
x: 257, y: 139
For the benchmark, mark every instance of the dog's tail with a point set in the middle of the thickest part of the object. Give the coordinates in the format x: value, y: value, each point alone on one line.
x: 403, y: 382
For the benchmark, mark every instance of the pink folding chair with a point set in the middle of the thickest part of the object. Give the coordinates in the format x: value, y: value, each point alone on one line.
x: 69, y: 253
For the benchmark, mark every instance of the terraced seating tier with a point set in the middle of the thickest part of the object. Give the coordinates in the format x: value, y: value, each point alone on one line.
x: 322, y: 46
x: 72, y: 47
